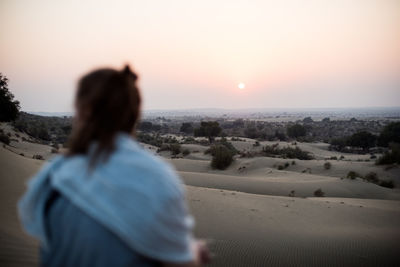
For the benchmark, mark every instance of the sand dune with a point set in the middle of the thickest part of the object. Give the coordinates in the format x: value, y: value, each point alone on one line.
x: 257, y: 230
x: 303, y: 185
x: 16, y: 248
x: 248, y: 216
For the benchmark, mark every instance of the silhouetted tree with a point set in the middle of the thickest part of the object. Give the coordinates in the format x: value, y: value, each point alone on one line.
x: 145, y: 126
x: 208, y: 129
x: 186, y: 128
x: 9, y: 108
x: 296, y: 130
x: 308, y: 120
x: 251, y: 132
x: 390, y: 134
x: 363, y: 139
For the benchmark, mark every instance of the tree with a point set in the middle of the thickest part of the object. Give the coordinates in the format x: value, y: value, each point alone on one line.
x: 363, y: 139
x: 145, y: 126
x: 390, y: 134
x: 186, y: 128
x: 208, y: 129
x: 9, y: 108
x: 308, y: 120
x: 296, y: 130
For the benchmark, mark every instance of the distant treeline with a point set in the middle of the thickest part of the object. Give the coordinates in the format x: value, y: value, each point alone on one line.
x: 48, y: 129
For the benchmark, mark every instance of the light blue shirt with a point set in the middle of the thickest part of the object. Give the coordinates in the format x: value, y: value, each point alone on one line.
x: 134, y: 194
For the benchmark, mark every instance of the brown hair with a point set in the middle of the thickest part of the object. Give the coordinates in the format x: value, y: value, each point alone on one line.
x: 107, y: 102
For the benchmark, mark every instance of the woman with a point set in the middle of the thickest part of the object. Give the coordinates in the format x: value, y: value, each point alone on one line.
x: 108, y: 202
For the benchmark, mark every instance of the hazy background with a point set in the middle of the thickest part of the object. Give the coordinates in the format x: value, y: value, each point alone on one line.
x: 193, y: 54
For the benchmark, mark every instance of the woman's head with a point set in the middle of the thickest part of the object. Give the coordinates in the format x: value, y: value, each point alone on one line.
x: 107, y: 102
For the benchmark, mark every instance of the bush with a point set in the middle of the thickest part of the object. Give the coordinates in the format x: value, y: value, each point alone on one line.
x: 390, y: 134
x: 388, y: 184
x: 353, y: 175
x: 390, y: 157
x: 186, y: 128
x: 286, y: 164
x: 327, y: 165
x: 319, y: 193
x: 37, y: 156
x: 175, y: 149
x: 296, y: 130
x: 222, y: 158
x: 4, y: 138
x: 372, y: 177
x: 286, y: 152
x: 185, y: 152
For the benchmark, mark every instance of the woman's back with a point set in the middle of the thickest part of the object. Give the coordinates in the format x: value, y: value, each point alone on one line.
x: 76, y: 239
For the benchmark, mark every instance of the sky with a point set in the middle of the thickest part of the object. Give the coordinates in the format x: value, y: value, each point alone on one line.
x: 193, y: 54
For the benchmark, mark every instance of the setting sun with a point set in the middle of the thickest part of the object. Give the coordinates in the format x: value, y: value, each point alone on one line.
x: 241, y: 85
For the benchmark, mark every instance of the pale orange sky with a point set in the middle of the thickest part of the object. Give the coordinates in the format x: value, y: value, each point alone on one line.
x: 193, y: 54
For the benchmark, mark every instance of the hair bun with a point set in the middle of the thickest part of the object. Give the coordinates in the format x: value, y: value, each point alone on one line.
x: 128, y: 72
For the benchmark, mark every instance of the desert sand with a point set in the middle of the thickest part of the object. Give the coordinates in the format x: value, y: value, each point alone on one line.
x: 246, y: 213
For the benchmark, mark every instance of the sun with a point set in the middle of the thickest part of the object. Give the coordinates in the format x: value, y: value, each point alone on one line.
x: 241, y: 86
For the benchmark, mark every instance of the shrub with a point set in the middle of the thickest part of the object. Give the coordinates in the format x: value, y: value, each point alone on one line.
x: 175, y: 149
x: 185, y: 152
x: 54, y: 151
x: 286, y: 152
x: 372, y: 177
x: 333, y: 158
x: 222, y: 158
x: 327, y: 165
x: 37, y: 156
x: 388, y: 184
x: 389, y: 134
x: 293, y: 162
x: 280, y: 167
x: 4, y: 138
x: 390, y: 157
x: 319, y: 193
x: 353, y: 175
x: 256, y: 144
x: 296, y: 130
x: 286, y: 164
x: 186, y: 128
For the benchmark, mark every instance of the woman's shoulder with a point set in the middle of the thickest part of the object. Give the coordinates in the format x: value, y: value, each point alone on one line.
x: 130, y: 156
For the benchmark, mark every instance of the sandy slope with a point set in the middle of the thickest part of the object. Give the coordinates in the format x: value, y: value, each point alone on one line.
x: 16, y: 248
x: 256, y: 229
